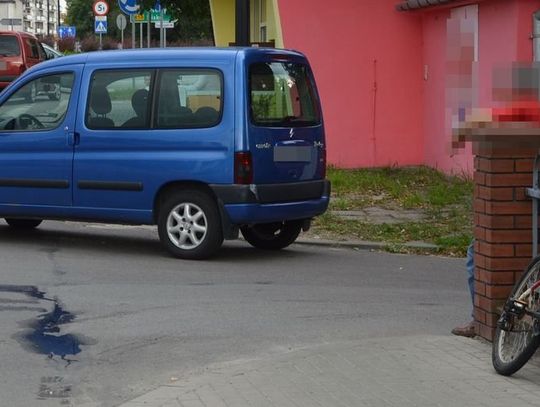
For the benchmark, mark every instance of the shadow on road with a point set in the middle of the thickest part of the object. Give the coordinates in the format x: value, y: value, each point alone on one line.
x: 128, y: 242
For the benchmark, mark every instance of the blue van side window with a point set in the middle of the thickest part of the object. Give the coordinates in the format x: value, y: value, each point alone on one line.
x: 119, y: 99
x: 189, y: 98
x: 39, y: 105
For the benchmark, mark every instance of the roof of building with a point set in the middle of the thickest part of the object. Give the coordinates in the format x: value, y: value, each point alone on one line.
x: 416, y: 4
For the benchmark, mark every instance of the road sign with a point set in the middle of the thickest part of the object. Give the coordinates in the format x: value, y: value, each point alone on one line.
x: 139, y: 18
x: 154, y: 17
x: 166, y: 24
x: 128, y: 6
x: 67, y: 31
x: 121, y: 21
x: 100, y: 7
x: 11, y: 21
x: 100, y: 26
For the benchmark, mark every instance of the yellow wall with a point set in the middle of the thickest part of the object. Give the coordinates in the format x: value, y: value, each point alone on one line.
x: 223, y: 17
x: 278, y: 35
x: 223, y: 21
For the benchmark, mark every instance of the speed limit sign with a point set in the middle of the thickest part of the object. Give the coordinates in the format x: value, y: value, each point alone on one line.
x: 101, y: 8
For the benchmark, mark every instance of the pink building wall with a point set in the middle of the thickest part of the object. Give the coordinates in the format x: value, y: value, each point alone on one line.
x: 367, y: 59
x: 436, y: 136
x: 382, y: 74
x: 504, y: 29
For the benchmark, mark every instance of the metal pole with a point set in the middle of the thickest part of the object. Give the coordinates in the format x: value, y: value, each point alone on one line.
x: 133, y: 34
x: 148, y: 29
x: 141, y: 35
x: 161, y: 28
x: 164, y: 38
x: 100, y: 43
x: 58, y: 18
x: 242, y: 23
x: 47, y: 16
x: 122, y: 38
x: 10, y: 20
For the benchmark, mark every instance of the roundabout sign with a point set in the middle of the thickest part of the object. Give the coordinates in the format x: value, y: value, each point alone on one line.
x: 128, y: 6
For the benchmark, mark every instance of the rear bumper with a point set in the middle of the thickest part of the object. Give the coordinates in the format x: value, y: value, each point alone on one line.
x: 273, y: 202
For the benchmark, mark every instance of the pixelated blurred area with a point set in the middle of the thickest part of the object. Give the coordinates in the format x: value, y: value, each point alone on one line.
x: 513, y: 120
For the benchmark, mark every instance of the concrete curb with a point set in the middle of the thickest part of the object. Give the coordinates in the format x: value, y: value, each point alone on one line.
x: 366, y: 244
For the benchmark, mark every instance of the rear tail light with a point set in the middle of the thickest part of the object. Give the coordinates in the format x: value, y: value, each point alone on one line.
x: 322, y: 161
x: 243, y: 168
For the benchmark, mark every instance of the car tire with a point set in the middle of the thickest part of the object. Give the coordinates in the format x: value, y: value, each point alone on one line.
x: 189, y: 225
x: 272, y: 236
x: 23, y: 224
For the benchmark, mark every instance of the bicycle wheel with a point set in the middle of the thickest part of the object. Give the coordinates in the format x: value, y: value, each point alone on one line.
x: 516, y: 337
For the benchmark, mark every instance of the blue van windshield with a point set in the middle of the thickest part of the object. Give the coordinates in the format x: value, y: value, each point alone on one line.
x: 282, y: 95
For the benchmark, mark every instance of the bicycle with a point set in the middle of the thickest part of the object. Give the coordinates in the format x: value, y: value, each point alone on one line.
x: 517, y: 335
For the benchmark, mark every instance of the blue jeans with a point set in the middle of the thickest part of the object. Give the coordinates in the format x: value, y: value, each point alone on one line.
x: 470, y: 271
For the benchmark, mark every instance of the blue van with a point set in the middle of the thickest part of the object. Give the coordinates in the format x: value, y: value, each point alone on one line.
x: 202, y: 142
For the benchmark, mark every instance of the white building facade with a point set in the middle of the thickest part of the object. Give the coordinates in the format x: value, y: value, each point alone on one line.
x: 38, y: 17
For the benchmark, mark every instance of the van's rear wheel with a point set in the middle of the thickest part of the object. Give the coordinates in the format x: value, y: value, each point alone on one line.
x: 189, y: 225
x: 23, y: 224
x: 272, y: 236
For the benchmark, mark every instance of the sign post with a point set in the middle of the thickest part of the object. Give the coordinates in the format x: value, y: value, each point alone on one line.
x: 130, y: 7
x: 121, y: 23
x: 101, y: 9
x: 66, y: 31
x: 100, y: 27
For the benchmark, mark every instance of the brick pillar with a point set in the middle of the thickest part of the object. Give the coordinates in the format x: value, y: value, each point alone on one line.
x: 502, y: 217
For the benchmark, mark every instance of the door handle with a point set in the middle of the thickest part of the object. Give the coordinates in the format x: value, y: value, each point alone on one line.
x: 74, y: 138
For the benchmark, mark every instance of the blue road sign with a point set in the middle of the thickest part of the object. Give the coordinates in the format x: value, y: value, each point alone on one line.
x: 100, y: 26
x: 157, y: 6
x: 67, y: 31
x: 128, y: 6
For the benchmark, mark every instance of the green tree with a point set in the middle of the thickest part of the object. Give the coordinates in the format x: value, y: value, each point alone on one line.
x: 80, y: 15
x: 194, y: 20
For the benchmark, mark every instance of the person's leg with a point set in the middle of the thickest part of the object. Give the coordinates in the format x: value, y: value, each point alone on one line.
x: 470, y: 272
x: 468, y: 329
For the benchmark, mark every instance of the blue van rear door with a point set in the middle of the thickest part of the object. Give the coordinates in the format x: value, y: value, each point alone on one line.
x: 286, y: 135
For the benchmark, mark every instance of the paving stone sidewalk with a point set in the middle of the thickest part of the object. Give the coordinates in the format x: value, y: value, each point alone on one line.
x: 393, y: 371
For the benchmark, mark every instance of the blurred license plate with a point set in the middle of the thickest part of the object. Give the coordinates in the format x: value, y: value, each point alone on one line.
x: 3, y: 65
x: 290, y: 154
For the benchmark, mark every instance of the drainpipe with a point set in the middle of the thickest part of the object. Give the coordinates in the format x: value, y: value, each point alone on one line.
x: 242, y: 23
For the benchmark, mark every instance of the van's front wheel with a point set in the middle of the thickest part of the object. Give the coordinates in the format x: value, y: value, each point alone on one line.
x: 189, y: 225
x: 272, y: 236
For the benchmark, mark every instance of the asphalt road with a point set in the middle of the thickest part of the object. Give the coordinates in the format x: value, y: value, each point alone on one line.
x: 94, y: 315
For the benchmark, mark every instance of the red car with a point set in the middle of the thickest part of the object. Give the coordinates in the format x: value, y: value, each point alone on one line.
x: 18, y: 52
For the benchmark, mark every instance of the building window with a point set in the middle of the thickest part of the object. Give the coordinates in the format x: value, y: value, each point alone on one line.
x: 259, y: 21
